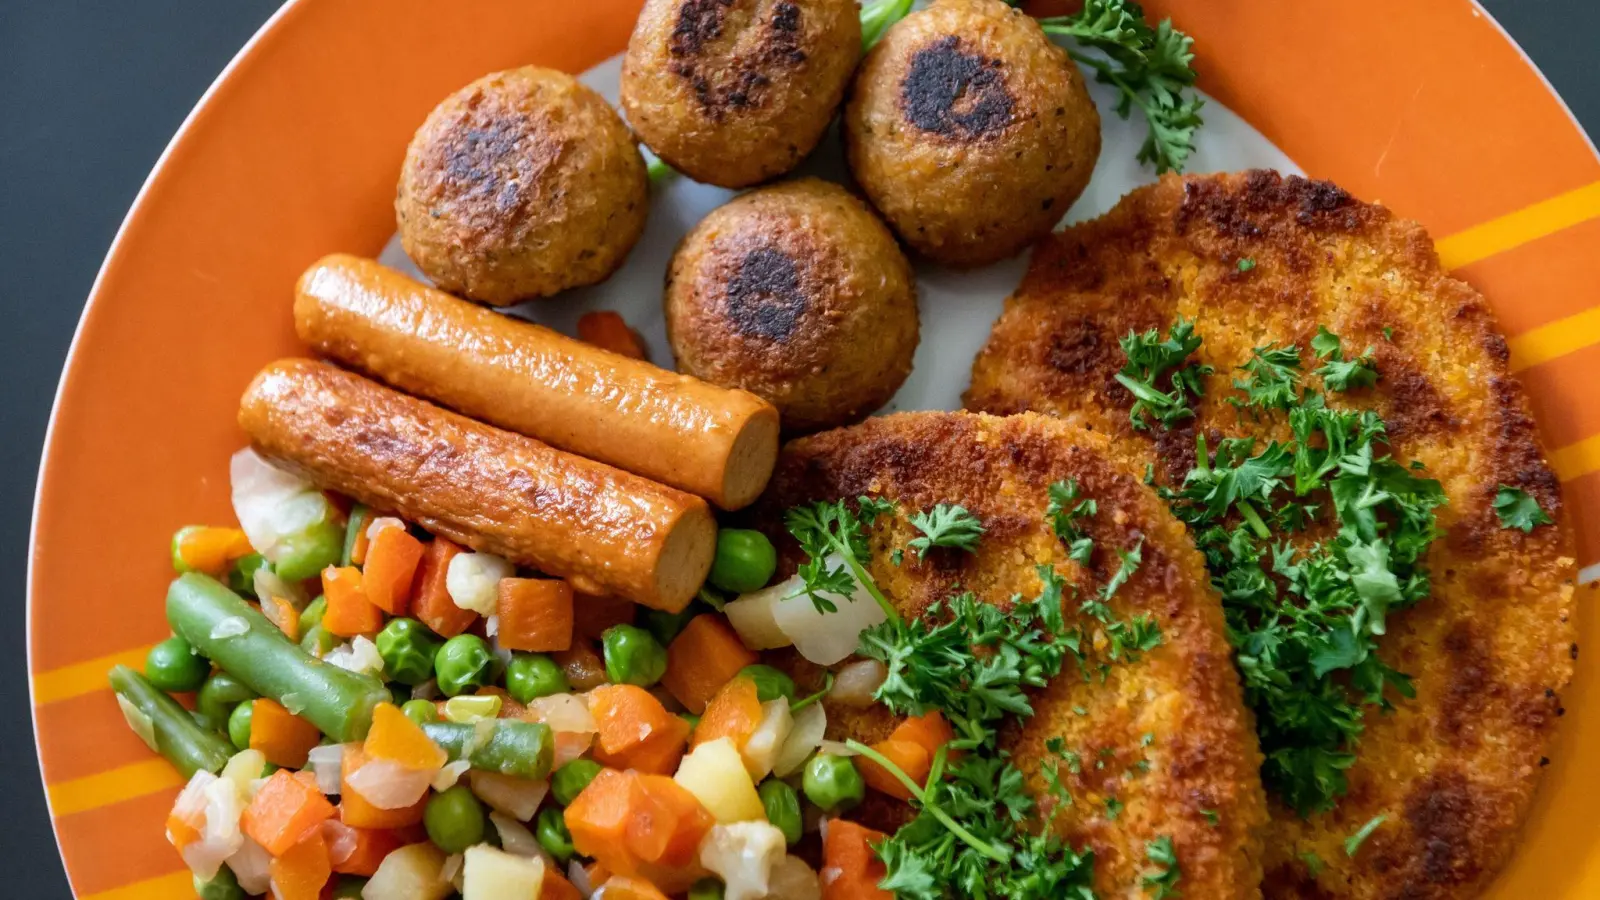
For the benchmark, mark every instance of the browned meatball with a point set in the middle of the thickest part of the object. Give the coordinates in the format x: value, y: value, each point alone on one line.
x: 520, y: 185
x: 735, y: 92
x: 796, y: 293
x: 970, y: 131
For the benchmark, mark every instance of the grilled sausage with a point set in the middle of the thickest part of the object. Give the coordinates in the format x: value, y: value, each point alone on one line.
x: 720, y: 444
x: 604, y: 530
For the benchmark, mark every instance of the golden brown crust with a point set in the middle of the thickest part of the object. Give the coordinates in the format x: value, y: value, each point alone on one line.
x: 1202, y: 750
x: 1453, y: 770
x: 799, y: 295
x: 606, y: 531
x: 970, y: 131
x: 736, y: 92
x: 521, y: 185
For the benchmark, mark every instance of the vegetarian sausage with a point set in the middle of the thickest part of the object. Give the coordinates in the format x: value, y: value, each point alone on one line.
x: 604, y: 530
x: 678, y: 430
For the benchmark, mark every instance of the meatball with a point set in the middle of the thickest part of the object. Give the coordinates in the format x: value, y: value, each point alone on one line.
x: 796, y: 293
x: 520, y: 185
x: 735, y: 92
x: 970, y: 131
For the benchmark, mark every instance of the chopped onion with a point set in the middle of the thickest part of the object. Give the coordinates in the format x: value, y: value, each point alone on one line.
x: 190, y: 805
x: 388, y: 785
x: 743, y: 855
x: 836, y: 748
x: 139, y: 722
x: 324, y: 761
x: 855, y: 683
x: 792, y: 879
x: 751, y: 615
x: 579, y: 876
x: 224, y: 805
x: 570, y: 745
x: 563, y: 712
x: 451, y: 870
x: 232, y: 626
x: 277, y: 616
x: 518, y: 798
x: 270, y: 584
x: 449, y: 774
x: 473, y: 581
x: 272, y: 504
x: 251, y: 865
x: 806, y: 732
x: 516, y: 839
x: 244, y: 769
x: 826, y: 638
x: 760, y: 751
x: 294, y: 703
x: 360, y: 655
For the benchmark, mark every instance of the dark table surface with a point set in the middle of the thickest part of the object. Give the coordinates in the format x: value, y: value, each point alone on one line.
x: 89, y: 95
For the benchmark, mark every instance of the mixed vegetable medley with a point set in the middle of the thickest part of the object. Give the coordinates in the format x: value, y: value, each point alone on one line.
x: 383, y: 714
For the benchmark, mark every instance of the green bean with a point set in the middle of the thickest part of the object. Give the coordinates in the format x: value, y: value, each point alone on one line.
x: 337, y: 701
x: 352, y: 527
x: 311, y: 616
x: 513, y: 747
x: 171, y: 731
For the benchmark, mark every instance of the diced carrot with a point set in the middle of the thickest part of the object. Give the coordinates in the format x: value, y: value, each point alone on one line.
x: 620, y: 813
x: 355, y: 811
x: 287, y: 617
x: 609, y: 331
x: 283, y: 810
x: 668, y: 824
x: 390, y: 570
x: 734, y: 713
x: 535, y: 614
x: 359, y: 547
x: 583, y: 667
x: 621, y: 887
x: 300, y: 872
x: 212, y: 550
x: 930, y: 730
x: 702, y: 658
x: 396, y: 738
x: 598, y: 817
x: 357, y: 851
x: 910, y: 756
x: 430, y: 600
x: 596, y: 874
x: 658, y: 754
x: 850, y: 870
x: 593, y: 614
x: 625, y: 715
x: 283, y: 737
x: 349, y: 611
x: 557, y: 887
x: 181, y: 832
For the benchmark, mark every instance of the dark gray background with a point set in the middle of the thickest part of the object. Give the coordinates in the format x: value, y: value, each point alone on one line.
x: 90, y: 92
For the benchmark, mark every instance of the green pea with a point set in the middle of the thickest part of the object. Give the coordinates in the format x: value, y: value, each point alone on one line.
x: 311, y: 616
x: 218, y: 696
x: 770, y: 683
x: 464, y: 662
x: 570, y: 780
x: 832, y: 783
x: 551, y: 830
x: 533, y: 675
x: 691, y: 718
x: 318, y: 641
x: 454, y: 819
x: 744, y: 562
x: 421, y: 711
x: 173, y: 666
x: 242, y: 577
x: 633, y: 656
x: 408, y: 649
x: 664, y: 626
x: 307, y: 553
x: 348, y: 888
x: 706, y: 889
x: 225, y: 886
x: 783, y: 808
x: 239, y: 724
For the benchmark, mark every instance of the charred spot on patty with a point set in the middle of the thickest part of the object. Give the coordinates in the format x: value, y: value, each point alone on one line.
x: 955, y: 94
x: 764, y: 297
x: 741, y: 84
x: 699, y: 23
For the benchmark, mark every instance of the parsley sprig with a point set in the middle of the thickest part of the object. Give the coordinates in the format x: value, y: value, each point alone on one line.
x: 1151, y: 68
x: 946, y: 525
x: 1156, y: 374
x: 834, y: 539
x: 1520, y: 510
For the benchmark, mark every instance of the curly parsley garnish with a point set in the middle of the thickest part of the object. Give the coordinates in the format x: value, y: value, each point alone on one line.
x: 834, y: 539
x: 1162, y: 881
x: 1065, y: 509
x: 1520, y: 510
x: 1162, y: 386
x: 946, y: 525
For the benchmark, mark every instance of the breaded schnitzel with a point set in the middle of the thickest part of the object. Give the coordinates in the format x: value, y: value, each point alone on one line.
x: 1163, y: 744
x: 1256, y: 258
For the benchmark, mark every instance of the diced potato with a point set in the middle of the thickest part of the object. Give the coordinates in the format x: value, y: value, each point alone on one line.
x: 761, y: 750
x: 518, y: 798
x: 492, y: 874
x: 743, y: 855
x: 715, y: 774
x: 413, y: 872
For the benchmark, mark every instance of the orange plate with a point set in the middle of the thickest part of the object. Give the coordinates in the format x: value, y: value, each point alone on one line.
x: 1425, y: 105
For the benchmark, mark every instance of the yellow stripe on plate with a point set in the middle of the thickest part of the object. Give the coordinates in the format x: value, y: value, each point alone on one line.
x: 83, y: 678
x: 1576, y: 459
x: 1520, y: 227
x: 1554, y: 339
x: 161, y: 887
x: 115, y: 786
